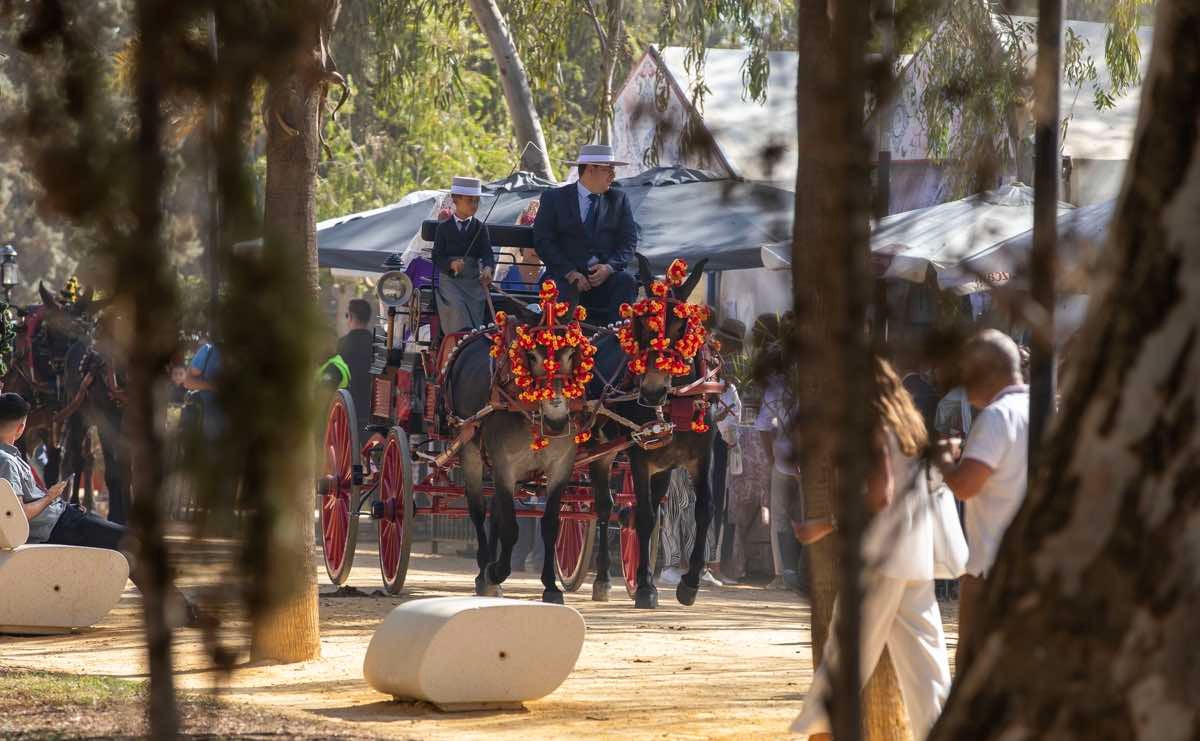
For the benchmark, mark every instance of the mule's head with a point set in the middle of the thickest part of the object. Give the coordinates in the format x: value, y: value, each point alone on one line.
x: 550, y: 358
x: 664, y: 331
x: 62, y: 321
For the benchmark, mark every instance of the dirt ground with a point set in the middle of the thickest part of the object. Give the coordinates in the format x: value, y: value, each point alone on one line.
x: 736, y: 664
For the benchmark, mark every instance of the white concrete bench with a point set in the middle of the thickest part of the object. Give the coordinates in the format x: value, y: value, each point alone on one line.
x: 47, y: 589
x: 469, y: 653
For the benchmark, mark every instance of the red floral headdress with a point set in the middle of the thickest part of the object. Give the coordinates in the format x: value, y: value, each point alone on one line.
x: 668, y: 356
x: 551, y: 336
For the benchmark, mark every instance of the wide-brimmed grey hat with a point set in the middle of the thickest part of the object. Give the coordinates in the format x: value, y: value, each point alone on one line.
x: 596, y: 154
x: 731, y: 333
x: 467, y: 187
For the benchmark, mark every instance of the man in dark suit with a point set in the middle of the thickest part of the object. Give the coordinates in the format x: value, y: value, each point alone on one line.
x: 357, y: 349
x: 585, y: 234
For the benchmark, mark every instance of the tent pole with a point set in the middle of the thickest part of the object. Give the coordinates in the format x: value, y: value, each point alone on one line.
x: 1047, y: 80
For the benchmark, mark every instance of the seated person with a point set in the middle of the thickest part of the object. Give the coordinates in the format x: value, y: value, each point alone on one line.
x: 50, y: 519
x: 586, y: 235
x: 462, y: 253
x: 525, y: 275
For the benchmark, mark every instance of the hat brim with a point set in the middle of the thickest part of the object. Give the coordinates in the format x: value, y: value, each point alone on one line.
x: 478, y: 194
x: 611, y: 163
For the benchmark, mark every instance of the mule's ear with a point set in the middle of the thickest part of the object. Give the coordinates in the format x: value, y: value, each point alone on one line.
x: 684, y: 291
x: 48, y: 298
x: 645, y: 276
x: 85, y: 301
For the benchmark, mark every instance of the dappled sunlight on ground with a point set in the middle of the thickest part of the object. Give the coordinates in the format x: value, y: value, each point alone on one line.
x: 737, y: 663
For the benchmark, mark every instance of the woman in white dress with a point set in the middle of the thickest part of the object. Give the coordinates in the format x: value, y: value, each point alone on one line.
x: 899, y: 608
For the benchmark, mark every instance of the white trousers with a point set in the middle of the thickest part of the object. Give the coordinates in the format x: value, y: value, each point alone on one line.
x: 904, y: 617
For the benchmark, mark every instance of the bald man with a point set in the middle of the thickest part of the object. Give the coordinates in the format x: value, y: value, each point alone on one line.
x: 989, y: 474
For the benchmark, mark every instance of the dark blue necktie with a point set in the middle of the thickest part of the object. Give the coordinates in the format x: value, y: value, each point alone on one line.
x: 593, y: 214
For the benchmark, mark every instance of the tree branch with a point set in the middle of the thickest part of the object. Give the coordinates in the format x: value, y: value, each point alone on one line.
x: 590, y: 11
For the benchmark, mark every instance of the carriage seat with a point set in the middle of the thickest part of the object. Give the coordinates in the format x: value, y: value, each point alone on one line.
x: 466, y: 653
x: 46, y: 589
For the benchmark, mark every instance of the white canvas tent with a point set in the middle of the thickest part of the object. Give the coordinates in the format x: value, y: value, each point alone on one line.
x: 954, y: 237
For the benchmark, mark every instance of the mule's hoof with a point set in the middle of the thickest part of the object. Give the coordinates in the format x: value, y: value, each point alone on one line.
x: 686, y: 595
x: 484, y: 588
x: 552, y: 596
x: 646, y: 598
x: 601, y: 590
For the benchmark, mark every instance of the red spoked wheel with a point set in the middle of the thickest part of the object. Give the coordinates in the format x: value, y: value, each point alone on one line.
x: 338, y: 490
x: 395, y: 510
x: 573, y: 549
x: 630, y: 556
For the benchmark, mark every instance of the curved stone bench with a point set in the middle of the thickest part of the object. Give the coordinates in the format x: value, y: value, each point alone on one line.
x: 467, y: 653
x: 46, y: 589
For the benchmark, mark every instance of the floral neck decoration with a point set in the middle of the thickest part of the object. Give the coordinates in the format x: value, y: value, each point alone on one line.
x: 551, y: 337
x: 673, y: 357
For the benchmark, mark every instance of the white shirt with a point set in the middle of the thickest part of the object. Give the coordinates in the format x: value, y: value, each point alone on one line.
x: 775, y: 415
x: 953, y: 413
x: 898, y: 542
x: 462, y: 224
x: 584, y: 203
x: 999, y: 439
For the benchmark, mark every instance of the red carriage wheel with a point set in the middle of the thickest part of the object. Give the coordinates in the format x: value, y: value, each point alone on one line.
x: 395, y: 510
x: 630, y: 556
x: 337, y: 490
x: 573, y: 550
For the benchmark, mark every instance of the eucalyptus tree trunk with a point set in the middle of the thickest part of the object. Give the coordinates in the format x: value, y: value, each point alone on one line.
x: 286, y: 626
x: 1090, y: 625
x: 611, y: 42
x: 831, y: 282
x: 513, y: 79
x: 143, y: 280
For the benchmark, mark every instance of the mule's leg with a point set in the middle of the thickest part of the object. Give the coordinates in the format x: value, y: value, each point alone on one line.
x: 701, y: 473
x: 471, y: 461
x: 601, y: 475
x: 648, y: 495
x: 117, y: 473
x: 556, y: 481
x: 53, y: 461
x: 504, y: 527
x: 71, y: 457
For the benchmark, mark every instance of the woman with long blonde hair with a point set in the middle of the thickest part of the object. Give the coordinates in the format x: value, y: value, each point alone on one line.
x: 899, y: 610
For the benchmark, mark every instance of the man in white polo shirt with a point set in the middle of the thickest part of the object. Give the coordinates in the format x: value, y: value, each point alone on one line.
x: 990, y: 476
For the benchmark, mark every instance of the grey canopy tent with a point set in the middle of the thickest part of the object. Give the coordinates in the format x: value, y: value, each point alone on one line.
x: 681, y: 213
x: 361, y: 241
x: 959, y: 239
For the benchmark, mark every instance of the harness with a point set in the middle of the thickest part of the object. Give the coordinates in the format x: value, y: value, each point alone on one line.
x: 513, y: 388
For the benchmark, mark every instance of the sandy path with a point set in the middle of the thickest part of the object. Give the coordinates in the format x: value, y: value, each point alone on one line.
x: 735, y: 664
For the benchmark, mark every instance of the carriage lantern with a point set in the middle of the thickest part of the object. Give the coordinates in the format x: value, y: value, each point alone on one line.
x: 8, y: 270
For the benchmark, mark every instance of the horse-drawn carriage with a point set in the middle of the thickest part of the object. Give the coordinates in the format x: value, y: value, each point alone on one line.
x: 407, y: 460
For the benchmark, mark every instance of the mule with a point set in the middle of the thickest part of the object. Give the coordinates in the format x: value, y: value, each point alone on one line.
x: 651, y: 468
x: 95, y: 399
x: 36, y: 373
x: 508, y: 440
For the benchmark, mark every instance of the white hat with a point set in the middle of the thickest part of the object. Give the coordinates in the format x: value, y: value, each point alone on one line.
x: 596, y: 154
x: 467, y: 187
